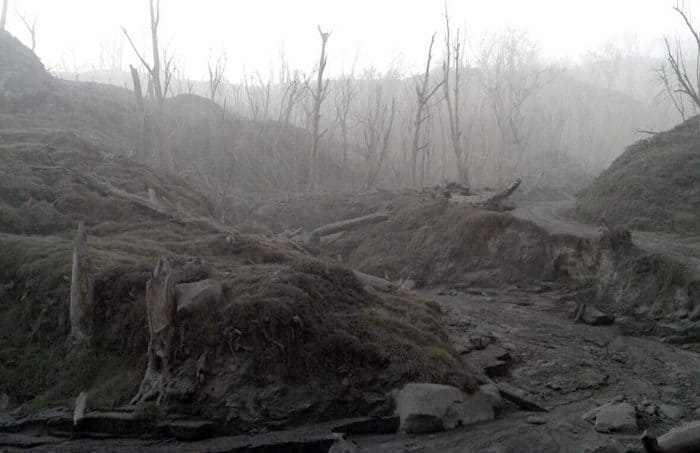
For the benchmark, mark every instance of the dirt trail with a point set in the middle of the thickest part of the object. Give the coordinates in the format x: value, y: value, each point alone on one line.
x: 570, y: 368
x: 550, y: 216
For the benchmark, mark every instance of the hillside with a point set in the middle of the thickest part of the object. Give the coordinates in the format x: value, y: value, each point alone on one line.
x: 654, y: 185
x: 284, y: 326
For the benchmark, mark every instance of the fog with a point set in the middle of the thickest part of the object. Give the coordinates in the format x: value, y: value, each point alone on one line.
x: 383, y: 33
x: 575, y: 82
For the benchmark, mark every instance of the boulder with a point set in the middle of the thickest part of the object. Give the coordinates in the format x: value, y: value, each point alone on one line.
x: 614, y: 418
x: 192, y: 297
x: 424, y: 408
x: 684, y: 438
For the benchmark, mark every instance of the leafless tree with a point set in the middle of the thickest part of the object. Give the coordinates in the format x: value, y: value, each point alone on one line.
x: 511, y: 75
x: 686, y: 82
x: 423, y: 95
x: 153, y: 69
x: 30, y: 25
x: 318, y: 97
x: 377, y: 125
x: 451, y: 69
x: 344, y: 95
x: 216, y: 74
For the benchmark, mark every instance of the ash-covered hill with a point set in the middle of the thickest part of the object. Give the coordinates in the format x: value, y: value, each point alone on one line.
x: 654, y: 185
x: 288, y: 338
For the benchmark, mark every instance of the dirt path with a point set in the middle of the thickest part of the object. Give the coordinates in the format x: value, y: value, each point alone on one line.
x: 570, y: 368
x: 550, y: 216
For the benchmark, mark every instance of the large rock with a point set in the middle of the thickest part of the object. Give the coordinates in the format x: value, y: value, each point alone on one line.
x: 682, y: 439
x: 614, y: 418
x: 192, y: 297
x: 425, y: 408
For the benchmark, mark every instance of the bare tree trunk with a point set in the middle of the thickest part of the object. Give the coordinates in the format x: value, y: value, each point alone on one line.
x: 81, y: 290
x: 452, y: 99
x: 137, y: 86
x: 423, y: 96
x: 161, y: 308
x: 155, y: 20
x: 319, y: 96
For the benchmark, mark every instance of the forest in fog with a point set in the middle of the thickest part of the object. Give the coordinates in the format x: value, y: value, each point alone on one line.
x: 481, y: 109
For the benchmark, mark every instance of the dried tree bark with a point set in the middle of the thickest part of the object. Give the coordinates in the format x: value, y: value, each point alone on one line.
x: 81, y: 290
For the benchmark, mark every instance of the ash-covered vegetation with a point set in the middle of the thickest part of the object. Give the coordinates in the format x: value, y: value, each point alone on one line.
x: 481, y: 235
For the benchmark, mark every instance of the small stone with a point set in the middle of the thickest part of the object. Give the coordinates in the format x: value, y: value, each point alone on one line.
x: 671, y: 412
x: 343, y: 446
x: 408, y: 285
x: 620, y: 417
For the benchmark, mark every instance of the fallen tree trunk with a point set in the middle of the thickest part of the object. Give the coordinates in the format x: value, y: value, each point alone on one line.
x: 374, y: 281
x: 495, y: 201
x: 313, y: 238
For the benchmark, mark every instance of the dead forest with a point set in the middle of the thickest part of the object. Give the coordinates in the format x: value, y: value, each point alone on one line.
x: 488, y: 249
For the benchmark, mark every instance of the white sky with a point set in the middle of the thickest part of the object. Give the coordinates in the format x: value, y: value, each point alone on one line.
x: 252, y: 32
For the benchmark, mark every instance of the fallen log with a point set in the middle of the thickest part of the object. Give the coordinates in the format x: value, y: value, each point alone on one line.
x: 313, y: 238
x: 495, y: 201
x: 375, y: 282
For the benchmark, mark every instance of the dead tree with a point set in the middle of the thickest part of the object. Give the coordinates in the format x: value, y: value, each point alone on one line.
x: 161, y: 308
x: 3, y: 16
x: 423, y: 95
x: 137, y: 86
x: 376, y: 135
x: 453, y: 56
x: 31, y: 28
x: 688, y: 83
x: 81, y: 290
x: 511, y: 74
x: 154, y: 68
x: 318, y: 96
x: 343, y: 102
x: 216, y: 75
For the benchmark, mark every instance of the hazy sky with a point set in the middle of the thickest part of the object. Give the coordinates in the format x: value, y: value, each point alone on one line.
x: 252, y: 32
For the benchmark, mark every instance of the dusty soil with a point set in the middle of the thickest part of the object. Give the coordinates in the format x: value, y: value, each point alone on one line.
x: 569, y: 367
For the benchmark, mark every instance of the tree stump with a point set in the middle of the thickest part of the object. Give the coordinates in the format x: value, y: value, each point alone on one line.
x: 81, y: 291
x: 161, y: 308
